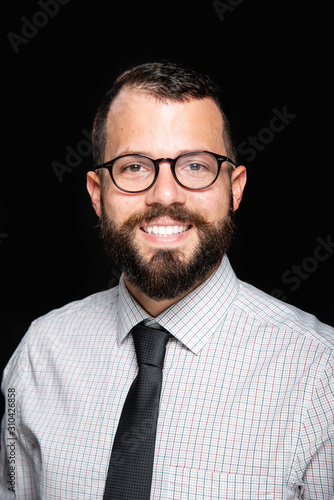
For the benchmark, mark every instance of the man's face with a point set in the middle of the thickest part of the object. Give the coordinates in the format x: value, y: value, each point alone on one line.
x: 139, y: 123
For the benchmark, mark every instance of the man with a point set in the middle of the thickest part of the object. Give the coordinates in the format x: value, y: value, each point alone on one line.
x: 245, y: 403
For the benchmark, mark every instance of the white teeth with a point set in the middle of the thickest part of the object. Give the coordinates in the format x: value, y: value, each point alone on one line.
x: 165, y: 230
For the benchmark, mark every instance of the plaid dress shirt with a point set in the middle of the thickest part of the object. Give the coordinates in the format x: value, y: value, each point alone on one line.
x: 246, y: 409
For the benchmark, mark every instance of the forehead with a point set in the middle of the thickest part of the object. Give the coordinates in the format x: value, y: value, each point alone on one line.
x: 138, y: 120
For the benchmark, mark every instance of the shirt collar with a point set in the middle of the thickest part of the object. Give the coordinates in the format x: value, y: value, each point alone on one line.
x: 192, y: 319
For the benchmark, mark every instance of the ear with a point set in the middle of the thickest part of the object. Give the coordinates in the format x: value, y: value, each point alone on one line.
x: 238, y: 183
x: 94, y: 190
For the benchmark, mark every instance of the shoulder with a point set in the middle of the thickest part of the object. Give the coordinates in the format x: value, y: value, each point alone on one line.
x: 273, y: 314
x: 78, y: 323
x: 98, y: 305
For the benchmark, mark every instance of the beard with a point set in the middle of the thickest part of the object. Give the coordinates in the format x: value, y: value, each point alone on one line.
x: 167, y: 274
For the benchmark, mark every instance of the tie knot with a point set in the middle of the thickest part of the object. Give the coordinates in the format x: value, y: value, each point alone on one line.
x: 150, y: 344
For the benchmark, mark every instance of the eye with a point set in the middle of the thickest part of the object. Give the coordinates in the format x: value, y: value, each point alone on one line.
x: 195, y: 167
x: 135, y: 167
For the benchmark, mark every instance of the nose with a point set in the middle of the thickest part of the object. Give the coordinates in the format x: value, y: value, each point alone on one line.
x: 165, y: 190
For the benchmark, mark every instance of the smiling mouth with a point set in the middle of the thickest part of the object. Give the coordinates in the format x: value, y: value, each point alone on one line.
x: 165, y: 231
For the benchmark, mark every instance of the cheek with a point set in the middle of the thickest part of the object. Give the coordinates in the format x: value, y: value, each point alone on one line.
x: 119, y: 207
x: 213, y: 204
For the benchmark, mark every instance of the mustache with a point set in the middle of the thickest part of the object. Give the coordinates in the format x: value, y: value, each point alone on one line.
x: 175, y: 212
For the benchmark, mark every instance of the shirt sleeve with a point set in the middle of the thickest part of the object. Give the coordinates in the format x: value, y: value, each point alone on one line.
x: 16, y: 465
x: 315, y: 456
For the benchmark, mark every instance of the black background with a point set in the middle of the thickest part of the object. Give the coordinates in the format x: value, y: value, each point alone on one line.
x: 265, y: 55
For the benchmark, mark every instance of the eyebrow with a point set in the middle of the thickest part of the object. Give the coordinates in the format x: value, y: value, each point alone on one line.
x: 147, y: 153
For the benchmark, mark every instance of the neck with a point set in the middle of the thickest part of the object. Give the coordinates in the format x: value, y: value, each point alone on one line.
x: 154, y: 307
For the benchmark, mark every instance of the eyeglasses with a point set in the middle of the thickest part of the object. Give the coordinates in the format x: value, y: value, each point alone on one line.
x: 135, y: 173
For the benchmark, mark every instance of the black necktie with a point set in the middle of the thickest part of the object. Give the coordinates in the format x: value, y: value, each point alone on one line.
x: 131, y: 462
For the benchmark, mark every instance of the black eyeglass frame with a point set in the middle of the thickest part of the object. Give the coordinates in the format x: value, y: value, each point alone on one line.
x: 220, y: 159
